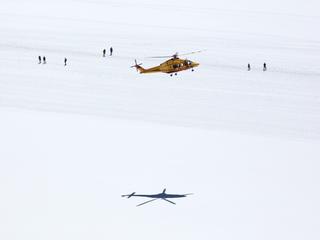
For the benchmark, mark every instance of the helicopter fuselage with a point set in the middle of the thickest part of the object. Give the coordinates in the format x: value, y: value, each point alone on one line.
x: 170, y: 66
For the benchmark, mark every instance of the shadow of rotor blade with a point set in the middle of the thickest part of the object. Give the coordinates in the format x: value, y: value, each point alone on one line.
x: 146, y: 202
x: 168, y: 201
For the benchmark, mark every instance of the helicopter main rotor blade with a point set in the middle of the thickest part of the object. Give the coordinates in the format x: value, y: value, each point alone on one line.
x: 183, y: 54
x: 161, y: 57
x: 168, y: 201
x: 177, y: 54
x: 170, y: 56
x: 146, y: 202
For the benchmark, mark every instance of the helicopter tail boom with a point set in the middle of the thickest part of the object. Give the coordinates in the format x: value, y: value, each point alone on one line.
x: 140, y: 69
x: 143, y: 70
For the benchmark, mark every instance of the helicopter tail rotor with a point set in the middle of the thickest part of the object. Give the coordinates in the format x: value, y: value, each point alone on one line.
x: 137, y: 66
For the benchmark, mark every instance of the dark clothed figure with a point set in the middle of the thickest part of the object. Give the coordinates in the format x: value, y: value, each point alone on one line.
x: 249, y: 67
x: 264, y: 67
x: 104, y: 53
x: 65, y: 61
x: 111, y: 51
x: 44, y: 61
x: 39, y: 59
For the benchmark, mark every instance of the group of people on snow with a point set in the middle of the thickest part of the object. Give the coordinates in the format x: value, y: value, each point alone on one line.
x: 264, y: 67
x: 110, y: 52
x: 44, y: 61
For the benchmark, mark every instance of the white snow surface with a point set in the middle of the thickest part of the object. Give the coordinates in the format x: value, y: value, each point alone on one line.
x: 74, y: 138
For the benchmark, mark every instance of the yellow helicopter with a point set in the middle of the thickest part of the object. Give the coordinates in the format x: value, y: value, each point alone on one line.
x: 171, y: 66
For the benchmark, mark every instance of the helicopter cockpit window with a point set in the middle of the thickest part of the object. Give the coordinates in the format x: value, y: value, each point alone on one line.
x: 188, y: 63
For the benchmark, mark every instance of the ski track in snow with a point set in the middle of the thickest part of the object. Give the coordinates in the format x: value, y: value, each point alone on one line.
x: 220, y: 94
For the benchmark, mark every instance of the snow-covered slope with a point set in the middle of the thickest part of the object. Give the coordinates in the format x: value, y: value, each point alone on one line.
x: 74, y: 138
x: 62, y: 177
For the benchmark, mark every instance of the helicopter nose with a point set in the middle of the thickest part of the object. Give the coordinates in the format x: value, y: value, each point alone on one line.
x: 195, y: 64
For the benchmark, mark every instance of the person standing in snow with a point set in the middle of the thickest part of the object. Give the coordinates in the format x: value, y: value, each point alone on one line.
x: 104, y: 53
x: 44, y: 60
x: 264, y: 67
x: 111, y: 51
x: 65, y: 61
x: 39, y: 59
x: 249, y: 67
